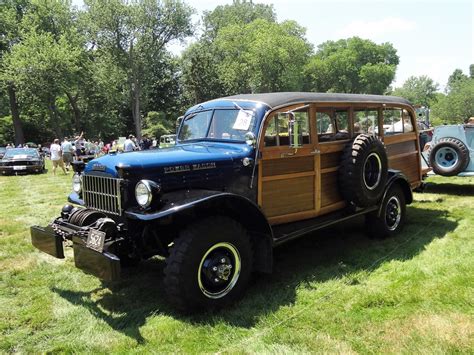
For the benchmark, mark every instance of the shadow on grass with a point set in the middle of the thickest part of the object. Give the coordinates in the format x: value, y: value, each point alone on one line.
x: 328, y: 254
x: 449, y: 189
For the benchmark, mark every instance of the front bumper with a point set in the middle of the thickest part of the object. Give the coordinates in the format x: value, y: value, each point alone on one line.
x: 104, y: 265
x: 21, y: 169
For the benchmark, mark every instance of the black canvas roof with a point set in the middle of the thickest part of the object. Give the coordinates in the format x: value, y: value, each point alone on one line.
x: 276, y: 99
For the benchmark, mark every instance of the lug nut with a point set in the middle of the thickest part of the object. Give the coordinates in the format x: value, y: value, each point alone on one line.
x: 214, y: 268
x: 222, y: 260
x: 216, y: 280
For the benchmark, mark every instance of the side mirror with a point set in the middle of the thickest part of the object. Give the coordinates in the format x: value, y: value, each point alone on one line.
x: 250, y: 139
x: 294, y: 132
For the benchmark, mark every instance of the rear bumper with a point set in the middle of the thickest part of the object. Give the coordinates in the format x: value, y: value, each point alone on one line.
x: 105, y: 265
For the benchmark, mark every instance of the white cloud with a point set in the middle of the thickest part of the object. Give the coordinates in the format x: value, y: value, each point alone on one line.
x: 373, y: 29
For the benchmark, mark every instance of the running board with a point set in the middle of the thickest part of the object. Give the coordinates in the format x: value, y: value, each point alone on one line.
x: 289, y: 231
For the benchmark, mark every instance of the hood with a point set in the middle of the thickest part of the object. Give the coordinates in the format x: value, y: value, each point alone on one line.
x: 180, y: 158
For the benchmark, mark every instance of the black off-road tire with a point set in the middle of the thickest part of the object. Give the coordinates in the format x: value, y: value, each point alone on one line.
x: 459, y: 152
x: 392, y: 216
x: 364, y: 170
x: 192, y: 260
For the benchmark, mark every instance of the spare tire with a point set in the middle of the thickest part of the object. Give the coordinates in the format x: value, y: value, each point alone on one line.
x: 363, y: 171
x: 449, y: 157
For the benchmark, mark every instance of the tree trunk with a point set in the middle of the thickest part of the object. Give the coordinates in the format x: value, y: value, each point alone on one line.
x: 54, y: 116
x: 137, y: 119
x: 17, y: 125
x: 77, y: 112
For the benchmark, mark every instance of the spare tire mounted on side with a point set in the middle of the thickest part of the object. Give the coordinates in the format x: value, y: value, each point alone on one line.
x: 449, y: 157
x: 363, y: 172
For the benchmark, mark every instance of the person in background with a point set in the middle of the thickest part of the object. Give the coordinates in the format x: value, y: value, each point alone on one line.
x: 145, y: 143
x: 56, y: 156
x: 67, y: 149
x: 9, y: 146
x: 129, y: 144
x: 79, y: 144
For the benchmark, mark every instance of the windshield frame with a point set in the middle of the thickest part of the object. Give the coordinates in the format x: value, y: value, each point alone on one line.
x: 252, y: 127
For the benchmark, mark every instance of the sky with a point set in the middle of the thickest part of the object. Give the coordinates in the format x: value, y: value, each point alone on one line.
x: 432, y: 37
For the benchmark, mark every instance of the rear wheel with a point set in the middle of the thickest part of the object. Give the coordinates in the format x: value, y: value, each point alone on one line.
x: 391, y: 219
x: 209, y: 265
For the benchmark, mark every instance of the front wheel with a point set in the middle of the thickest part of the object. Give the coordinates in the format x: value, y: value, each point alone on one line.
x: 391, y: 219
x: 209, y: 265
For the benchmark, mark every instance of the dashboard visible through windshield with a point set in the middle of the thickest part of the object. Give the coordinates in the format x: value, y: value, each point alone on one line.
x: 230, y: 124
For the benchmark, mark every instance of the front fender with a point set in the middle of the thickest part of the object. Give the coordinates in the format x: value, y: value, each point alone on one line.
x: 203, y: 203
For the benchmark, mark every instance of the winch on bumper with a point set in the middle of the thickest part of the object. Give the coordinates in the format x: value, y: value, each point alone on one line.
x: 94, y: 240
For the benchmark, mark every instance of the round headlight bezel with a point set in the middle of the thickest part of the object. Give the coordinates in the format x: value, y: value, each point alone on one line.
x: 77, y: 183
x: 146, y: 189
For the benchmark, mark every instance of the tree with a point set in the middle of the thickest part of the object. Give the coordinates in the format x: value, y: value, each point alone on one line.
x: 156, y: 124
x: 134, y: 34
x: 200, y: 61
x: 44, y: 68
x: 454, y: 78
x: 457, y: 105
x: 261, y: 56
x: 238, y: 13
x: 419, y: 90
x: 351, y: 65
x: 11, y: 15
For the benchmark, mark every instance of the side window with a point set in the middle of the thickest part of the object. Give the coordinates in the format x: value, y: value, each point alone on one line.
x: 407, y: 126
x: 396, y: 120
x: 332, y: 125
x: 276, y: 133
x: 366, y: 121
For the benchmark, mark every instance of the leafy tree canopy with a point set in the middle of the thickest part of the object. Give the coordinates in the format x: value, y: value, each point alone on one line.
x: 457, y: 106
x: 420, y: 90
x: 351, y: 65
x: 240, y: 12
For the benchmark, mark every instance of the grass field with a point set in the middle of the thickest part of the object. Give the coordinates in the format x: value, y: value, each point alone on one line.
x: 334, y: 291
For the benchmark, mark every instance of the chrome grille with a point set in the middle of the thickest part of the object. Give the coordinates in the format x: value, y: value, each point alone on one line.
x: 102, y: 193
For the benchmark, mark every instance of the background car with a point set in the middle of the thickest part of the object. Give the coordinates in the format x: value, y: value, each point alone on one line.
x: 2, y: 151
x: 451, y: 151
x: 21, y: 160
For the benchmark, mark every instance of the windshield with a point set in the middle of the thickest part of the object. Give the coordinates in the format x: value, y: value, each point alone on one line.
x: 218, y: 124
x: 21, y: 152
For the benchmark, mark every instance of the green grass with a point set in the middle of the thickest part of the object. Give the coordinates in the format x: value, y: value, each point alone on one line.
x: 334, y: 291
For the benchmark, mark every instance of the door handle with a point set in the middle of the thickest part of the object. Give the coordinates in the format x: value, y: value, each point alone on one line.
x: 284, y: 155
x: 316, y: 151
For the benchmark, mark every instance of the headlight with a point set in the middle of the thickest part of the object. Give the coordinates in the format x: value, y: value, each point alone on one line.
x: 77, y: 183
x: 145, y: 190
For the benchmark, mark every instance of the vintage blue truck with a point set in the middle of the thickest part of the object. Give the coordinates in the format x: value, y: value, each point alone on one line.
x: 248, y: 173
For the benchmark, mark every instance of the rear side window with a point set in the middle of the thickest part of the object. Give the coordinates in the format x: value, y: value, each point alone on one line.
x: 366, y: 121
x: 332, y: 124
x: 395, y: 121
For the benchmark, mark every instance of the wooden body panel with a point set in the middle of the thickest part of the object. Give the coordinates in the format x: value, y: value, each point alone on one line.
x: 297, y: 184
